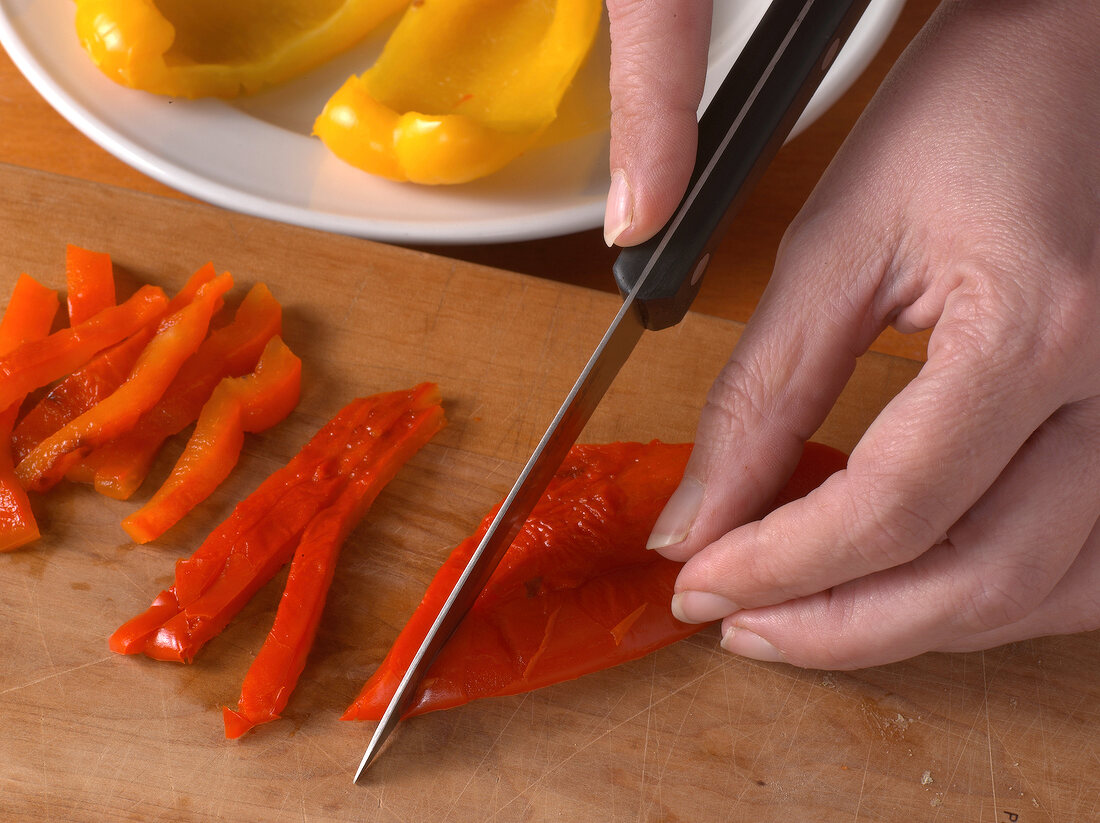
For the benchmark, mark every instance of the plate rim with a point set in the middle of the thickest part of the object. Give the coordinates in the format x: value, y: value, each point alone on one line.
x: 584, y: 214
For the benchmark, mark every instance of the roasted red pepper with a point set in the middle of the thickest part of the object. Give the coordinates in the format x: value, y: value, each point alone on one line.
x: 78, y: 392
x: 29, y: 314
x: 118, y: 468
x: 177, y: 337
x: 274, y: 673
x: 261, y: 534
x: 251, y: 403
x: 576, y: 592
x: 38, y: 362
x: 99, y: 378
x: 91, y: 281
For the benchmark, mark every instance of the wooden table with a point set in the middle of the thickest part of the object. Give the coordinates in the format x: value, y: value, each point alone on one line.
x: 1006, y: 735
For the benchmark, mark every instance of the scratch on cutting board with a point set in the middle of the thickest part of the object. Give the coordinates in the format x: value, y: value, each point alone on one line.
x: 988, y: 732
x: 721, y: 662
x: 971, y: 729
x: 795, y: 680
x: 489, y: 750
x: 53, y: 675
x: 354, y: 301
x: 588, y: 744
x: 863, y: 783
x: 642, y: 778
x: 715, y: 662
x: 444, y: 291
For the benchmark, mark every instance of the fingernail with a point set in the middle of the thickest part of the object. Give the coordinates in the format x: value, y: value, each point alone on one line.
x: 620, y: 208
x: 749, y: 644
x: 701, y: 607
x: 675, y: 520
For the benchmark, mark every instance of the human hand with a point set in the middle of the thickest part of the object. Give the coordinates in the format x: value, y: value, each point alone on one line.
x: 658, y: 66
x: 966, y: 199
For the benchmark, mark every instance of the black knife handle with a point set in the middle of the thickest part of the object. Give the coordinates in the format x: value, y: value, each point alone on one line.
x: 740, y: 132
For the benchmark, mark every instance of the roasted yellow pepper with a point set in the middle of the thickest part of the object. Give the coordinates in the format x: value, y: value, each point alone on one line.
x: 220, y: 48
x: 461, y: 88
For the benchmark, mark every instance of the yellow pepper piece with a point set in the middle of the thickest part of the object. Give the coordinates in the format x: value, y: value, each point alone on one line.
x: 461, y: 88
x: 220, y: 48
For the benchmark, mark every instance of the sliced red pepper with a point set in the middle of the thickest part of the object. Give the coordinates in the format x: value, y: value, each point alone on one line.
x: 121, y: 466
x: 99, y: 378
x: 576, y: 592
x: 246, y: 550
x: 29, y: 315
x: 251, y: 403
x: 78, y: 392
x: 275, y: 671
x: 38, y: 362
x: 91, y: 281
x: 177, y: 338
x: 260, y: 552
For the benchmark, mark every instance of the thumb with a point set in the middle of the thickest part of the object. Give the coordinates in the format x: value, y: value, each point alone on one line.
x: 658, y: 66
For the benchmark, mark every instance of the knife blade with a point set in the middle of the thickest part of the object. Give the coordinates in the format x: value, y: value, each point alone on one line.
x: 749, y: 118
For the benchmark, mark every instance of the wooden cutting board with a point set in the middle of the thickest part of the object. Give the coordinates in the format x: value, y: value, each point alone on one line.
x: 688, y: 733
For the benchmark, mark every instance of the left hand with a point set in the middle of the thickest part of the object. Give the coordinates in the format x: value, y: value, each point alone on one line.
x: 966, y: 199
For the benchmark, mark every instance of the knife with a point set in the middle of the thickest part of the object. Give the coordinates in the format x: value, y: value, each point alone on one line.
x: 743, y: 127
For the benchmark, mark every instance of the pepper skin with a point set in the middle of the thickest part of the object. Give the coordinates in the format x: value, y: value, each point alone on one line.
x: 101, y: 376
x: 39, y: 362
x: 274, y: 673
x: 28, y: 316
x: 251, y: 403
x: 461, y: 88
x: 575, y: 593
x: 261, y: 534
x: 90, y: 279
x: 177, y: 337
x: 204, y: 48
x: 118, y: 468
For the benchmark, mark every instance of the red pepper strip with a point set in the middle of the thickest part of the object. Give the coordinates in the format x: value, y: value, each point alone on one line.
x: 91, y: 281
x: 121, y: 466
x: 576, y: 592
x: 78, y: 392
x: 177, y: 338
x: 38, y: 362
x: 29, y: 315
x: 99, y: 378
x: 274, y: 673
x: 265, y: 549
x: 260, y: 535
x: 140, y: 634
x: 251, y: 403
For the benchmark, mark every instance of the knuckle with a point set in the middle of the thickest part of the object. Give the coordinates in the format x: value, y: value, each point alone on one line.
x: 884, y: 531
x: 1033, y: 324
x: 828, y: 636
x: 734, y: 397
x: 761, y: 580
x: 1002, y: 596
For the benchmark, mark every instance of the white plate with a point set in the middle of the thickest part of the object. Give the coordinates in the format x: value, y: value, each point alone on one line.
x: 256, y: 155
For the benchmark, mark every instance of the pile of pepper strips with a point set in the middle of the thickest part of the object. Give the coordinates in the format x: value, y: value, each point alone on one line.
x: 123, y: 378
x: 576, y: 592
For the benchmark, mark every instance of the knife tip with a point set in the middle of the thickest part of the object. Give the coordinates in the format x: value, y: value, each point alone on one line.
x: 368, y: 757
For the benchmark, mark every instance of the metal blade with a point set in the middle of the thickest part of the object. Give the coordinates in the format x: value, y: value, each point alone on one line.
x: 751, y: 114
x: 614, y: 349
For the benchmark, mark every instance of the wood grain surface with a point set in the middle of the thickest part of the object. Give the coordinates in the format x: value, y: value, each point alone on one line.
x: 686, y: 734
